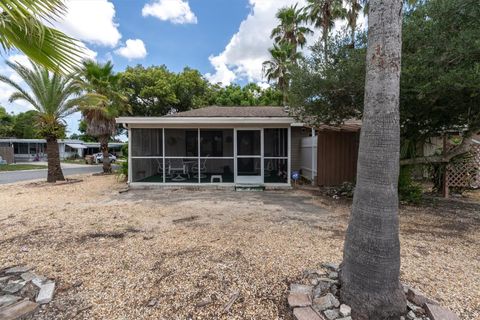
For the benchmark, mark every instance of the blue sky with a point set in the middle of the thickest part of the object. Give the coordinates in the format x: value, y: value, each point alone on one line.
x: 227, y: 40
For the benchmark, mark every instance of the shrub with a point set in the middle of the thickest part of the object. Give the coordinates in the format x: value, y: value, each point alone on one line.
x: 124, y: 150
x: 122, y: 172
x: 408, y: 190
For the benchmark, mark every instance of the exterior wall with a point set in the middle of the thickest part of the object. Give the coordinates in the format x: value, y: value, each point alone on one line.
x: 337, y: 157
x: 296, y: 146
x: 7, y: 154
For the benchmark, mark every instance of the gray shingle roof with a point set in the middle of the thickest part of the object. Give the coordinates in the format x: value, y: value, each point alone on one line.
x: 248, y: 112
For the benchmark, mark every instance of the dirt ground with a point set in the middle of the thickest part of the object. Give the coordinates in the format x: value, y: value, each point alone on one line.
x: 182, y: 254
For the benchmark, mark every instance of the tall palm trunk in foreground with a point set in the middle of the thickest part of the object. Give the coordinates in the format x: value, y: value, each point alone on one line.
x: 55, y: 172
x: 371, y: 258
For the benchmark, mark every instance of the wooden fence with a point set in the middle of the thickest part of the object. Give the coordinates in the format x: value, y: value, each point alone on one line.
x: 337, y: 154
x: 465, y: 172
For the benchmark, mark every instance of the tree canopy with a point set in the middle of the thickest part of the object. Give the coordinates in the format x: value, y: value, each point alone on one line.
x: 440, y: 75
x: 155, y: 90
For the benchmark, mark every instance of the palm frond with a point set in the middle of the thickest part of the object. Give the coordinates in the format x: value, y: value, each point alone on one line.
x: 22, y: 26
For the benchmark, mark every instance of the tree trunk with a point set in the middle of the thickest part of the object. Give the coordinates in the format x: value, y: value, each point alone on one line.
x: 107, y: 167
x: 325, y: 44
x: 352, y: 34
x: 53, y: 159
x: 371, y: 258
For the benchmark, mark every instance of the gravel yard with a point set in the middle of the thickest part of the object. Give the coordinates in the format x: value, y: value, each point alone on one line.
x: 183, y: 254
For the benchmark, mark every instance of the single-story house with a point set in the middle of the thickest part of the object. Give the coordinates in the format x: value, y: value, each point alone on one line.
x: 36, y: 149
x: 215, y: 146
x: 94, y: 147
x: 24, y: 150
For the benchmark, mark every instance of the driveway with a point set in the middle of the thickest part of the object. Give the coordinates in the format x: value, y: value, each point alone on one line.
x: 68, y: 170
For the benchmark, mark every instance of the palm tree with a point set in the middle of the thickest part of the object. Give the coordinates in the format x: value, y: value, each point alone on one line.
x: 23, y: 26
x: 278, y: 68
x: 100, y: 117
x: 291, y: 29
x: 371, y: 257
x: 54, y: 97
x: 323, y: 13
x: 354, y: 9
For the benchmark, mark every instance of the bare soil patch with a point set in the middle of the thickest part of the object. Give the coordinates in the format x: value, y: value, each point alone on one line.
x: 213, y: 254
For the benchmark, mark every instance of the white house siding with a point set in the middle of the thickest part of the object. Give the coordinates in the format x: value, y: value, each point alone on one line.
x: 296, y: 144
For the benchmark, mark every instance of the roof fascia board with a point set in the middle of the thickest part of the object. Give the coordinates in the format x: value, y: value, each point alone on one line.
x: 205, y: 120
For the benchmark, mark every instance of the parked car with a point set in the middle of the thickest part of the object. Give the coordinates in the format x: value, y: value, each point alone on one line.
x: 98, y: 157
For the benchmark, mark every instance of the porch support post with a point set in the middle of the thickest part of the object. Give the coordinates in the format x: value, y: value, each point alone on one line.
x: 235, y: 155
x: 130, y: 163
x: 198, y: 157
x: 262, y: 153
x: 163, y: 154
x: 289, y: 155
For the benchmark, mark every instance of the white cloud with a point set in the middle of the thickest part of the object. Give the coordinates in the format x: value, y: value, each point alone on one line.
x: 175, y: 11
x: 91, y: 22
x: 243, y: 56
x: 133, y: 49
x: 248, y: 48
x: 6, y: 90
x: 222, y: 74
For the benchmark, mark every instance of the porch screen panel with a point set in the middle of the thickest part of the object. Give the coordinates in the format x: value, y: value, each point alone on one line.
x: 275, y: 171
x: 181, y: 143
x: 181, y: 155
x: 147, y: 170
x: 248, y: 143
x: 276, y: 143
x: 216, y: 161
x: 146, y: 142
x: 275, y: 162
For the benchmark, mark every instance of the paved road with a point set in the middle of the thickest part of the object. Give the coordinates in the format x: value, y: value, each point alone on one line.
x: 68, y: 170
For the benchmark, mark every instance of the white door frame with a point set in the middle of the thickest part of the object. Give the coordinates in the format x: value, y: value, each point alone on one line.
x: 248, y: 179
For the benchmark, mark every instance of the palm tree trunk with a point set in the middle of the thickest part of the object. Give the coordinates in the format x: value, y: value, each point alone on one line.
x: 53, y: 159
x: 107, y: 166
x: 371, y: 258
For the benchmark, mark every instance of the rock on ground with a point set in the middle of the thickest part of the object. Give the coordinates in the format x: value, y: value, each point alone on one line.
x: 436, y: 312
x: 8, y: 299
x: 18, y: 310
x: 306, y: 313
x: 46, y: 293
x: 345, y: 310
x: 331, y: 314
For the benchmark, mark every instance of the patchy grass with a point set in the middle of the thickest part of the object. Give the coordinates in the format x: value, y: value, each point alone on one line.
x: 18, y: 167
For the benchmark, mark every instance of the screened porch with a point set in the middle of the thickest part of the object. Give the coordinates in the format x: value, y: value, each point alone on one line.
x: 209, y: 155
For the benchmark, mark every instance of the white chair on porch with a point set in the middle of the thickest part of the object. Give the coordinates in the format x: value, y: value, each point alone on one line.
x: 160, y: 166
x: 202, y: 168
x: 178, y: 167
